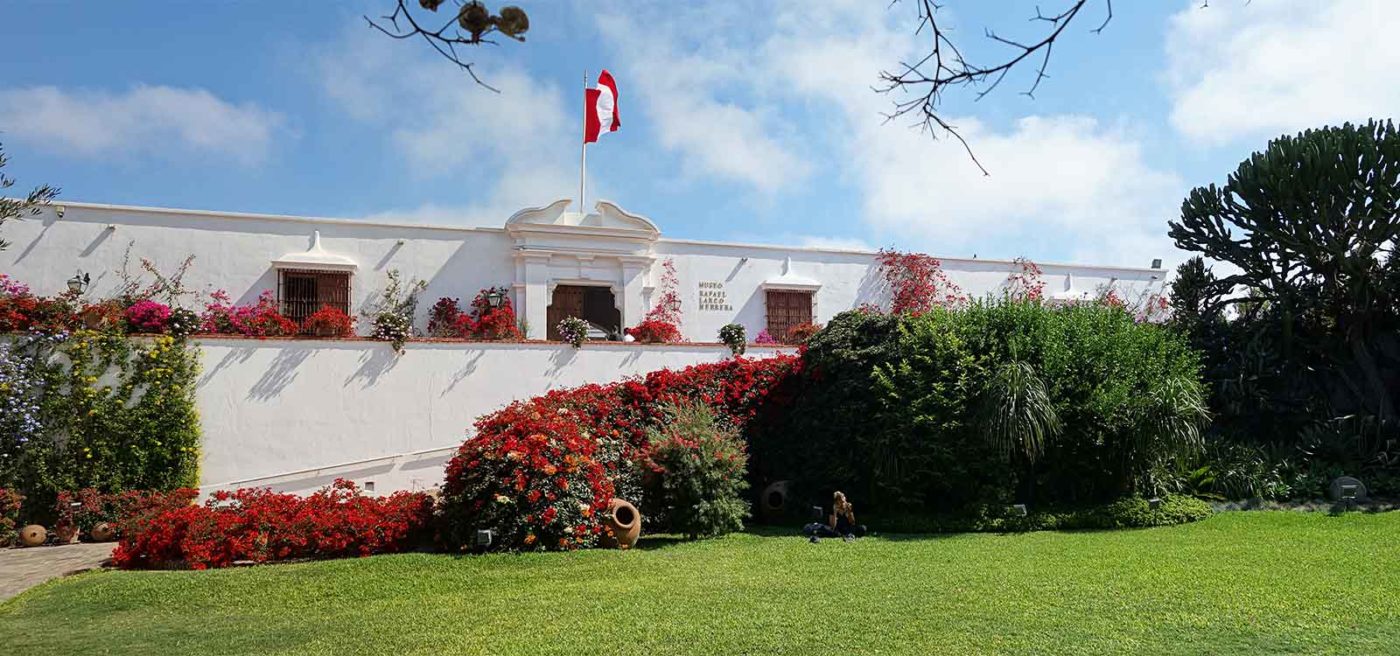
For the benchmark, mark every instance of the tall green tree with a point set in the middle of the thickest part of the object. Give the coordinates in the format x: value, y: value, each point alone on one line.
x: 19, y: 208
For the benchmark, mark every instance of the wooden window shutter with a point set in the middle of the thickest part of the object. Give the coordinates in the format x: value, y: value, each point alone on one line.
x: 333, y: 289
x: 301, y: 292
x: 787, y: 309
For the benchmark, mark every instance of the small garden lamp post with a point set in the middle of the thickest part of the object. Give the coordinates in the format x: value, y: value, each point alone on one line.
x: 494, y: 298
x: 79, y: 283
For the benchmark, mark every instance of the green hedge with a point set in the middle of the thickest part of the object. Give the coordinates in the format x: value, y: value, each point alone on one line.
x: 899, y: 411
x: 1131, y: 512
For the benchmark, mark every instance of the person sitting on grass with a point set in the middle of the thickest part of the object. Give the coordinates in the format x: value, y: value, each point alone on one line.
x: 840, y: 522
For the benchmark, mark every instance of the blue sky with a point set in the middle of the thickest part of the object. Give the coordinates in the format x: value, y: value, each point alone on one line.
x: 740, y: 121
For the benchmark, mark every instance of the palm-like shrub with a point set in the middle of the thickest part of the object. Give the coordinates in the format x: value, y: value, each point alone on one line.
x: 1168, y: 431
x: 1015, y: 412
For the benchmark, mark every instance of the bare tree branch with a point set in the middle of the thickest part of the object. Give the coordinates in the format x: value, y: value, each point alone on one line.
x: 466, y: 26
x: 945, y: 67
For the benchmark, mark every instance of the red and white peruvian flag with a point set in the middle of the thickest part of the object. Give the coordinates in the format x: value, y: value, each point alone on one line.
x: 601, y: 105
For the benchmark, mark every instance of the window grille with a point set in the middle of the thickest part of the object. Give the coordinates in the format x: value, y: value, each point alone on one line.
x: 301, y: 292
x: 787, y: 309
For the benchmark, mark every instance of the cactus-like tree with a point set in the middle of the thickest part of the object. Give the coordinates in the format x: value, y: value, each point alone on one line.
x: 1311, y: 226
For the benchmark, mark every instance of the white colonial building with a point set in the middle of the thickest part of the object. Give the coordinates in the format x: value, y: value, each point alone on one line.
x: 603, y: 266
x: 294, y: 414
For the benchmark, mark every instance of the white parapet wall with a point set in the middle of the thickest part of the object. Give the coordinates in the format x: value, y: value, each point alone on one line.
x: 294, y: 415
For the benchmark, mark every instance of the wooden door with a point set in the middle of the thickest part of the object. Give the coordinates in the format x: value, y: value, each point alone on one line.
x: 567, y: 302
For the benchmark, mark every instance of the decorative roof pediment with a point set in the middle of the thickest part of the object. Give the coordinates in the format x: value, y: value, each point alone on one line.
x: 609, y: 232
x: 609, y: 218
x: 315, y: 257
x: 610, y: 215
x: 790, y: 280
x: 550, y: 214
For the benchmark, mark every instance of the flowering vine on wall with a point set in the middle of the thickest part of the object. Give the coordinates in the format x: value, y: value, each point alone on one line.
x: 100, y: 410
x: 917, y: 282
x: 391, y: 315
x: 1025, y: 283
x: 662, y: 322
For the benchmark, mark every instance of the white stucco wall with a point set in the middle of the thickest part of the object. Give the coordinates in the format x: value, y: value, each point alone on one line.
x: 296, y: 414
x: 849, y: 279
x: 235, y: 252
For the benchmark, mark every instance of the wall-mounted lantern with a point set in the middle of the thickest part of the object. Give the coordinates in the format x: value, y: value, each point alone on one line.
x: 79, y: 283
x: 494, y: 298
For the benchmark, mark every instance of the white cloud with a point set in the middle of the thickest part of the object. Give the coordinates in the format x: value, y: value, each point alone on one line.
x: 1260, y: 69
x: 1061, y: 186
x: 512, y: 149
x: 156, y: 120
x: 690, y: 98
x: 1059, y: 182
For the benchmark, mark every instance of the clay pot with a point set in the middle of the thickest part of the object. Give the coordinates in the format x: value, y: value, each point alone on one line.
x: 33, y: 535
x: 103, y: 532
x: 773, y: 503
x: 624, y: 524
x: 66, y: 533
x: 93, y: 320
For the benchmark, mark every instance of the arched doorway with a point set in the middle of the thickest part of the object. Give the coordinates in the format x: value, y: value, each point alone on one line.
x: 592, y: 303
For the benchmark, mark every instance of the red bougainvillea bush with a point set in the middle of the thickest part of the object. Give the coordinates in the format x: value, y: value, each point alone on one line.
x: 1025, y: 282
x: 22, y: 311
x: 124, y: 510
x: 536, y: 485
x: 10, y: 503
x: 494, y: 323
x: 662, y: 323
x: 655, y: 331
x: 446, y: 318
x: 802, y: 332
x: 261, y: 319
x: 329, y: 321
x: 917, y: 283
x: 147, y: 316
x: 592, y: 436
x: 261, y: 526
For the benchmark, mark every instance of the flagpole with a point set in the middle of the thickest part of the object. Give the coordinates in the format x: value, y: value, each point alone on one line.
x: 583, y: 150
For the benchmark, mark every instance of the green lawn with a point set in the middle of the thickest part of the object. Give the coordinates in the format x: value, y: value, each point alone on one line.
x: 1248, y: 583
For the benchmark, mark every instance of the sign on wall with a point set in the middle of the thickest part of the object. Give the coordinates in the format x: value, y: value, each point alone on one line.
x: 713, y: 298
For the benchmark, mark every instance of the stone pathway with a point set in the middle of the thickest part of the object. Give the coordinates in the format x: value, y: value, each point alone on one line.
x: 22, y: 569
